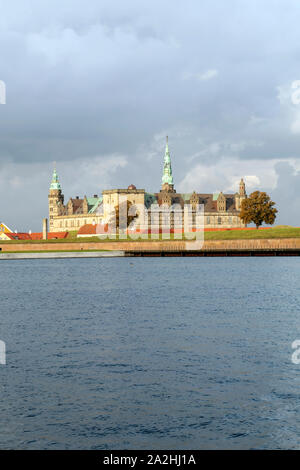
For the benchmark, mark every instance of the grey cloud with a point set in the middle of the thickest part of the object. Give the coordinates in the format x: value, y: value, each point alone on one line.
x: 287, y: 195
x: 104, y: 78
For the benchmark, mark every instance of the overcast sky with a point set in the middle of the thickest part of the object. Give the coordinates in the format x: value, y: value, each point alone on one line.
x: 97, y: 85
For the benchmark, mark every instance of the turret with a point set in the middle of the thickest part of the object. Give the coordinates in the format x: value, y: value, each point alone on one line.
x: 240, y: 195
x: 55, y: 198
x: 242, y: 191
x: 221, y: 203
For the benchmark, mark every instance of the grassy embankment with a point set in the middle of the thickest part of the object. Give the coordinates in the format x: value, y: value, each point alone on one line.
x: 275, y: 232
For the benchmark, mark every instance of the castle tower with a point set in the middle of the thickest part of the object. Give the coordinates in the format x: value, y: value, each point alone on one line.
x: 56, y: 200
x: 242, y: 191
x: 167, y: 178
x: 240, y: 195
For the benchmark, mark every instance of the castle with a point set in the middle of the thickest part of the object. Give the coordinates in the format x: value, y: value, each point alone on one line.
x: 220, y: 210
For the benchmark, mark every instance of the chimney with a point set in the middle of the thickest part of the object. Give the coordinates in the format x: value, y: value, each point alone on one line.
x: 45, y: 229
x: 95, y: 195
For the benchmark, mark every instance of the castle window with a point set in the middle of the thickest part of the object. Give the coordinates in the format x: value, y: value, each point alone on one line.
x: 219, y: 220
x: 208, y: 219
x: 230, y: 220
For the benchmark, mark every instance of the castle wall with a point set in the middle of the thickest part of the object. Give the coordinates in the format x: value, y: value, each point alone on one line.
x: 210, y: 245
x: 113, y: 198
x: 74, y: 222
x: 222, y: 220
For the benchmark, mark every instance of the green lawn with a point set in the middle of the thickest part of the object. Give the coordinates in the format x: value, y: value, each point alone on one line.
x: 275, y: 232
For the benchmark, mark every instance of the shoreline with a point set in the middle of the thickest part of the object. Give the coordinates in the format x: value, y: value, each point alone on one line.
x: 62, y: 255
x: 216, y: 251
x: 281, y: 244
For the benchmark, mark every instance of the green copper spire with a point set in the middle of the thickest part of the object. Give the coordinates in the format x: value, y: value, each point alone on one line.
x: 167, y: 174
x: 55, y: 184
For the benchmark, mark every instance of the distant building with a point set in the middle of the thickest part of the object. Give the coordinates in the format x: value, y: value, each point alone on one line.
x: 33, y: 236
x: 220, y: 210
x: 50, y: 236
x: 16, y: 236
x: 4, y: 230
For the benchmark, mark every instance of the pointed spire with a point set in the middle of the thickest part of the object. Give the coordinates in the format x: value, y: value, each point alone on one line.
x: 55, y: 184
x: 167, y: 177
x: 167, y: 153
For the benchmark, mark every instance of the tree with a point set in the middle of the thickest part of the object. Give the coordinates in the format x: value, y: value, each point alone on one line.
x: 258, y: 208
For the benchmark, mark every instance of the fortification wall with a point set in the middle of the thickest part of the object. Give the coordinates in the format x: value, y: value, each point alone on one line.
x: 211, y: 245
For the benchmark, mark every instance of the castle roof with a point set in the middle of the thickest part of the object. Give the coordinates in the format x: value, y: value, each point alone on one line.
x: 208, y: 200
x: 77, y: 204
x: 88, y: 229
x: 36, y: 235
x: 50, y: 236
x: 18, y: 236
x: 93, y: 204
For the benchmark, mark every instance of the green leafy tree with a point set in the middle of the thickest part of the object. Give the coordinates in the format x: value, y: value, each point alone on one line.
x: 258, y: 208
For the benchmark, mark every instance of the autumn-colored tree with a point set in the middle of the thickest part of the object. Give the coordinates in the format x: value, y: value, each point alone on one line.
x: 258, y: 208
